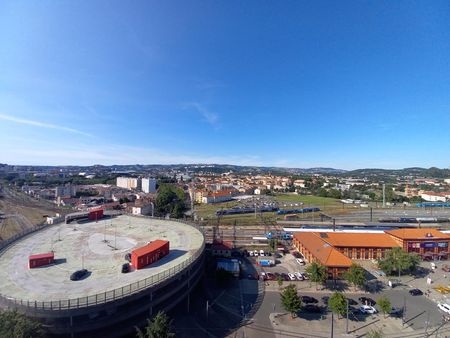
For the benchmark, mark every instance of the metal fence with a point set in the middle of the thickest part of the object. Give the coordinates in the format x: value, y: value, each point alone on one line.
x: 107, y: 296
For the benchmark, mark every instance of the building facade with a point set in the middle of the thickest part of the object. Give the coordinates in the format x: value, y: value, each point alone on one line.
x: 425, y: 242
x: 130, y: 183
x: 148, y: 185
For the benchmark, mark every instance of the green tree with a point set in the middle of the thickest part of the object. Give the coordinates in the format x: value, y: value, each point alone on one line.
x: 170, y: 200
x: 273, y: 243
x: 356, y: 275
x: 317, y: 273
x: 399, y: 261
x: 16, y: 325
x: 290, y: 300
x: 338, y: 304
x: 280, y: 281
x: 385, y: 305
x: 159, y: 327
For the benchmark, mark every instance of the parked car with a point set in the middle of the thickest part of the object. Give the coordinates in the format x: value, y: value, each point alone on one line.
x: 300, y: 261
x: 444, y: 307
x: 126, y: 268
x: 367, y: 301
x: 415, y: 292
x: 298, y: 275
x: 366, y: 309
x: 270, y: 276
x: 312, y: 308
x: 251, y: 253
x: 296, y: 254
x: 352, y: 301
x: 285, y: 276
x: 261, y: 253
x: 309, y: 300
x: 305, y: 276
x: 77, y: 275
x: 396, y: 312
x: 255, y: 253
x: 292, y: 276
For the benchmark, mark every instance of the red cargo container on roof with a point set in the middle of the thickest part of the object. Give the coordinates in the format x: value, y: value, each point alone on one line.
x: 95, y: 214
x: 35, y: 261
x: 150, y: 253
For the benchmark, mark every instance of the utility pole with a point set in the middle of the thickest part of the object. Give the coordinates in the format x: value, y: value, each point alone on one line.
x: 404, y: 311
x: 207, y: 309
x: 334, y: 224
x: 332, y: 325
x: 234, y: 234
x: 371, y: 214
x: 346, y: 323
x: 384, y: 195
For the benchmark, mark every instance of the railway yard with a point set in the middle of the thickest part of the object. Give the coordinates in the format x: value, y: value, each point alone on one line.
x: 19, y: 212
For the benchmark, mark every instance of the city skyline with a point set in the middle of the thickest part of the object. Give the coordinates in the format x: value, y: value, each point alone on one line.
x: 291, y: 84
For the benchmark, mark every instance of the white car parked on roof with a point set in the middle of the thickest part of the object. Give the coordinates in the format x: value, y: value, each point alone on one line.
x: 444, y: 307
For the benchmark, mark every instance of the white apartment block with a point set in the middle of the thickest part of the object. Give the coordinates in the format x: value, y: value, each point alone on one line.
x: 148, y: 185
x: 128, y: 183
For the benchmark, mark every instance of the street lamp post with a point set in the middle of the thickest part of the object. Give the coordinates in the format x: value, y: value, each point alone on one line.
x: 346, y: 323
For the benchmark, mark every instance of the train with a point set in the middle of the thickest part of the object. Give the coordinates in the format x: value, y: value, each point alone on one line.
x: 237, y: 211
x: 414, y: 219
x: 297, y: 211
x: 432, y: 205
x: 284, y: 235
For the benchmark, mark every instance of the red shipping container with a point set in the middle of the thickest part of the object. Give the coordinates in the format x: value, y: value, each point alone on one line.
x: 35, y: 261
x: 150, y: 253
x: 95, y: 214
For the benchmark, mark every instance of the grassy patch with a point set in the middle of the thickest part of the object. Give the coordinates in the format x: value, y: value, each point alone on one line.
x: 308, y: 200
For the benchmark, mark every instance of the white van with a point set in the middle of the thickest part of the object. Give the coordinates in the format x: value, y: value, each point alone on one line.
x: 261, y: 252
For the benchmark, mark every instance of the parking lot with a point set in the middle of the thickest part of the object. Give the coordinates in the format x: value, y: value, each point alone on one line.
x: 412, y: 314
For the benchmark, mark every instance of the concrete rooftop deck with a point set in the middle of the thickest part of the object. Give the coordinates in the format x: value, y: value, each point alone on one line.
x: 83, y: 245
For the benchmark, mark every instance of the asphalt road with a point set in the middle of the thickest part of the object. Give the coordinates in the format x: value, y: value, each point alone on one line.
x: 419, y: 310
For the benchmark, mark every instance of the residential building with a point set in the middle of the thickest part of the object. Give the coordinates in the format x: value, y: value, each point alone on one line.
x: 221, y: 248
x: 130, y: 183
x: 67, y: 190
x: 148, y: 185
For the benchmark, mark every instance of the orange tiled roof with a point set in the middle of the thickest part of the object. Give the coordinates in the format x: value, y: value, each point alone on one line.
x: 358, y: 240
x: 417, y: 234
x: 322, y: 251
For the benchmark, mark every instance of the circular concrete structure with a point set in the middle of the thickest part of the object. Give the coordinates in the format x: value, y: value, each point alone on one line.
x: 106, y: 302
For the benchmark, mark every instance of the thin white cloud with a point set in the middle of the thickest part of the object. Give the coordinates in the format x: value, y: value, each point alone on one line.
x: 42, y: 124
x: 41, y: 154
x: 209, y: 116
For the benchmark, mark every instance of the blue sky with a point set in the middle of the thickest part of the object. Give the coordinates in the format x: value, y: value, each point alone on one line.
x: 285, y: 83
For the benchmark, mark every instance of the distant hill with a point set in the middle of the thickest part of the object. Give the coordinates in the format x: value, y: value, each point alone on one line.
x: 432, y: 172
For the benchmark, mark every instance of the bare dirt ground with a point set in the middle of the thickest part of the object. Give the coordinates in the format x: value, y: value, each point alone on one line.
x: 19, y: 211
